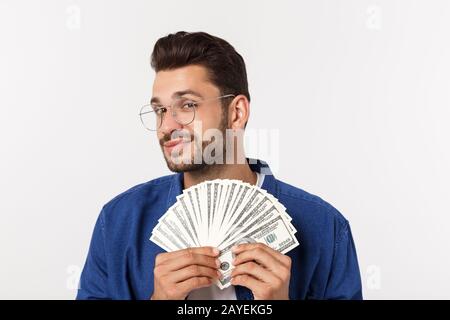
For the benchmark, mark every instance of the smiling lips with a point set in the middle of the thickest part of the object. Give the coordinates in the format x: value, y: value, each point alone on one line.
x: 171, y: 144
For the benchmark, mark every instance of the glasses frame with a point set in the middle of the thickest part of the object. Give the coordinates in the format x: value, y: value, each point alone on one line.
x: 173, y: 115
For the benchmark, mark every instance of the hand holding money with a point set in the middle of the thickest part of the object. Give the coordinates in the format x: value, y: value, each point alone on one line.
x: 178, y: 273
x: 222, y: 213
x: 266, y: 272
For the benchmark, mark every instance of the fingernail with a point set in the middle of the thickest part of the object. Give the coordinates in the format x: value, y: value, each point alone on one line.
x: 233, y: 262
x: 216, y: 251
x: 234, y: 249
x: 219, y: 274
x: 218, y: 263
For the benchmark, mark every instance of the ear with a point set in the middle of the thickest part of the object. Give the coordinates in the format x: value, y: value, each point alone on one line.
x: 239, y: 112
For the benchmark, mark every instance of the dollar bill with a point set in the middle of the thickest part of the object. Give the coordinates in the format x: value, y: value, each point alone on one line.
x: 221, y: 213
x: 274, y: 234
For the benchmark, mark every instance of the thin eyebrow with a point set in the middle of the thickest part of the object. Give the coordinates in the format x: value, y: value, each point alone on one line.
x: 178, y: 94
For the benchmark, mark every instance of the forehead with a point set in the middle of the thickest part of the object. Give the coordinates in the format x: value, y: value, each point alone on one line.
x: 191, y: 77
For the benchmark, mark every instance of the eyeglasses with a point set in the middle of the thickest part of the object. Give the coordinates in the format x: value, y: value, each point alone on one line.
x: 182, y: 110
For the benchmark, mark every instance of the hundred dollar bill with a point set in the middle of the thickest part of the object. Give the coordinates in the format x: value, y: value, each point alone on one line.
x: 275, y: 234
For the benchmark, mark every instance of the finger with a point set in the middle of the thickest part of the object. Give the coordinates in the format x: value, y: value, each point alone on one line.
x: 245, y: 280
x: 189, y: 258
x: 193, y: 271
x: 258, y: 272
x: 208, y: 251
x: 250, y: 246
x: 193, y: 283
x: 261, y: 256
x: 285, y: 260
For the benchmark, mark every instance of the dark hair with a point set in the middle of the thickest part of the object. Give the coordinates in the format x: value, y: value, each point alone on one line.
x: 226, y: 67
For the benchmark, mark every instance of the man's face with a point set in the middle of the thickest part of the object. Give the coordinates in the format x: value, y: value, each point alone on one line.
x: 182, y: 147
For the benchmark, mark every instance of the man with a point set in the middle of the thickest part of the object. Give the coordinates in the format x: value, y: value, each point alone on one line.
x: 201, y: 80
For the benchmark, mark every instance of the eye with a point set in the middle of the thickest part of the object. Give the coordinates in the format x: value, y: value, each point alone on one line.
x: 159, y: 110
x: 189, y: 105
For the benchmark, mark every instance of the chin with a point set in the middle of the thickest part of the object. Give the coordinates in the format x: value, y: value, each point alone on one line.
x: 183, y: 167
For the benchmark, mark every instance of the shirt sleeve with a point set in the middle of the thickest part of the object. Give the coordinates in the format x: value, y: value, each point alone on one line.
x: 345, y: 280
x: 93, y: 280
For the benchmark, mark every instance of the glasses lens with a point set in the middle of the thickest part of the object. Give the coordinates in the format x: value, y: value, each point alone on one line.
x: 149, y: 118
x: 184, y: 111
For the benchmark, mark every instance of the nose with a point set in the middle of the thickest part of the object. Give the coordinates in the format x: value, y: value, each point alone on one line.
x: 169, y: 123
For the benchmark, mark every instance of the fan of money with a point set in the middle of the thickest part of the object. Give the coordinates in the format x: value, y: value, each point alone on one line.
x: 223, y: 213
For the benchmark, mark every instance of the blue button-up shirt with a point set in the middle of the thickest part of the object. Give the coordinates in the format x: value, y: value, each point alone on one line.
x: 121, y: 257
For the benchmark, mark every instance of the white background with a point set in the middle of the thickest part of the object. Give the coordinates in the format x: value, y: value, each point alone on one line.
x: 359, y: 92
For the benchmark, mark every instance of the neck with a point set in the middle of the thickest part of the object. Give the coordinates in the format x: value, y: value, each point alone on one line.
x: 220, y: 171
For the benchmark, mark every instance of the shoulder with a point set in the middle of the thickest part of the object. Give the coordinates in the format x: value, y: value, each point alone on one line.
x: 151, y: 191
x: 309, y: 209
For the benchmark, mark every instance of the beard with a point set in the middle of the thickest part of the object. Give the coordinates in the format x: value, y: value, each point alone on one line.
x: 195, y: 160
